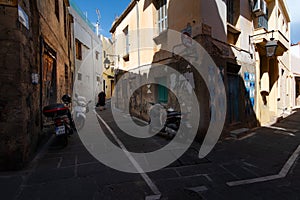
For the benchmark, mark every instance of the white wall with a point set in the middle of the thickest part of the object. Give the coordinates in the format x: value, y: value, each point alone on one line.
x: 295, y: 59
x: 89, y: 66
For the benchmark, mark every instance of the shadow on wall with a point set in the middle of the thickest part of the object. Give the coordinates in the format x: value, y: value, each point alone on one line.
x: 240, y: 100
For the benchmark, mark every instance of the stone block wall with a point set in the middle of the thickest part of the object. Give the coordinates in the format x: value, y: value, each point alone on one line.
x: 19, y: 98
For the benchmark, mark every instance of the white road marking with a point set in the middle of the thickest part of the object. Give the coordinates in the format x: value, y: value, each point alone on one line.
x: 59, y: 162
x: 153, y: 197
x: 141, y: 121
x: 247, y: 136
x: 76, y: 166
x: 282, y: 129
x: 286, y: 168
x: 146, y: 178
x: 208, y: 178
x: 198, y: 189
x: 283, y: 172
x: 284, y: 133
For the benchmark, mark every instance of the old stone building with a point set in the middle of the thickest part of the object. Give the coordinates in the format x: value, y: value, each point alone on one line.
x: 235, y: 35
x: 36, y: 69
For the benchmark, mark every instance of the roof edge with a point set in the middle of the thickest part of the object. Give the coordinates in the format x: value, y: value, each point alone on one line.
x: 123, y: 15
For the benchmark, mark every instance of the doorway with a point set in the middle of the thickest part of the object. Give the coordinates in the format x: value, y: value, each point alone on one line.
x: 233, y: 98
x: 49, y: 91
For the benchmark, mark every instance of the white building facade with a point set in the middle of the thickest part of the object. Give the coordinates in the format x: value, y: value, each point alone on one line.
x: 295, y: 65
x: 88, y: 59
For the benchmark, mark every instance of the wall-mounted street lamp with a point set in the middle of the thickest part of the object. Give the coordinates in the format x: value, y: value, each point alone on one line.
x: 271, y: 46
x: 107, y: 62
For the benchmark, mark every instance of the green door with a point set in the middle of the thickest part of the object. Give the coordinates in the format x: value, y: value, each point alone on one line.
x: 162, y: 91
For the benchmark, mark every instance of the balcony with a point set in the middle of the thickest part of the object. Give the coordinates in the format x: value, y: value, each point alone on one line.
x: 261, y: 36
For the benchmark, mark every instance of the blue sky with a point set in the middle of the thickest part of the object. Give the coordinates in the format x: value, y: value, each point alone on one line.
x: 109, y: 9
x: 293, y: 7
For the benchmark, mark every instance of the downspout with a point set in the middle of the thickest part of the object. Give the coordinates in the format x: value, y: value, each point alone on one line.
x: 41, y: 80
x: 94, y: 72
x: 138, y: 33
x: 139, y: 55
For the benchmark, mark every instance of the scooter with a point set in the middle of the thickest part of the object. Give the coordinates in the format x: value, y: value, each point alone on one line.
x: 172, y: 122
x: 80, y: 110
x: 170, y: 119
x: 61, y: 116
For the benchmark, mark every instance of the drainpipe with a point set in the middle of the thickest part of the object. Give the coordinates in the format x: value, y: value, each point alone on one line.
x: 94, y: 67
x: 139, y: 55
x: 41, y: 80
x: 138, y: 32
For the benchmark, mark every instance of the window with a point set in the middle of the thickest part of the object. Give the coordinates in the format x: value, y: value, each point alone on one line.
x: 126, y: 56
x: 79, y: 76
x: 78, y: 49
x: 126, y: 40
x: 230, y: 11
x: 233, y: 11
x: 97, y: 55
x: 162, y: 15
x: 57, y: 9
x: 263, y: 21
x: 98, y: 78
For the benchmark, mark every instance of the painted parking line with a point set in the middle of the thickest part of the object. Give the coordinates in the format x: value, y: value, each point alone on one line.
x: 284, y: 133
x: 153, y: 197
x: 146, y: 178
x: 248, y: 136
x: 59, y: 162
x: 198, y: 189
x: 282, y: 129
x: 283, y: 172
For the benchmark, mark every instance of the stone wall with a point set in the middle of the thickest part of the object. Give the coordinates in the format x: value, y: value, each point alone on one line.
x: 20, y: 57
x: 19, y: 98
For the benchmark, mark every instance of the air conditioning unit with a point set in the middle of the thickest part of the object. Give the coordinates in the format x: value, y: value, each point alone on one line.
x: 260, y: 7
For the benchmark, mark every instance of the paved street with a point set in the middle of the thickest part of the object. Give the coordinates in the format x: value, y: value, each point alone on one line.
x: 262, y: 165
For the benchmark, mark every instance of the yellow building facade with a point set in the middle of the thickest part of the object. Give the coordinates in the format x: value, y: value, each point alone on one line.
x: 109, y: 60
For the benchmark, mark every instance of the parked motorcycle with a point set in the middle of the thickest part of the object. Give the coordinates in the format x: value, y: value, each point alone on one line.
x: 80, y: 109
x: 167, y: 123
x: 61, y: 116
